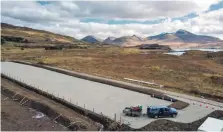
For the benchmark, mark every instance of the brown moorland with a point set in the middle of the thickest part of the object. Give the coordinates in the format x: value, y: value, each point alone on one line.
x: 196, y: 72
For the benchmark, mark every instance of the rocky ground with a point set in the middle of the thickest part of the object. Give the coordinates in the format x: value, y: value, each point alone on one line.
x: 15, y: 117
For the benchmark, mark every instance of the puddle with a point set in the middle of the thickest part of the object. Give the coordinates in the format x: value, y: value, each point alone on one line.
x: 38, y: 115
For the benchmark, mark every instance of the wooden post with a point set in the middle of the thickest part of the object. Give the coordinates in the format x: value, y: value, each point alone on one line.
x: 22, y: 100
x: 5, y: 98
x: 57, y: 117
x: 14, y: 95
x: 115, y: 117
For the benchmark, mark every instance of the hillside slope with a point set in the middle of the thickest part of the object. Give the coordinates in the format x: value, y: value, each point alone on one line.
x: 30, y: 35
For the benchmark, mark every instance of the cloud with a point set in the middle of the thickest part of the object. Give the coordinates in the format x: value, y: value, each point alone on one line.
x: 140, y: 10
x: 64, y: 17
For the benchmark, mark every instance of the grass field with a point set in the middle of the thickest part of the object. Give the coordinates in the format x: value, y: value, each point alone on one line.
x: 196, y: 72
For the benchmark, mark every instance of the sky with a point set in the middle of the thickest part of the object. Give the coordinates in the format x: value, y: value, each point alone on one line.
x: 104, y: 19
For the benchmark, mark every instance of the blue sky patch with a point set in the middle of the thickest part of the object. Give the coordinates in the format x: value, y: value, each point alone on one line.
x: 43, y: 2
x: 216, y: 6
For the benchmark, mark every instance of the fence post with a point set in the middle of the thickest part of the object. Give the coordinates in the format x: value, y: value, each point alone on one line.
x: 115, y: 117
x: 101, y: 115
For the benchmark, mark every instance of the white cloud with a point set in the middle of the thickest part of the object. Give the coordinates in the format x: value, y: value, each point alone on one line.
x: 141, y: 10
x: 64, y: 17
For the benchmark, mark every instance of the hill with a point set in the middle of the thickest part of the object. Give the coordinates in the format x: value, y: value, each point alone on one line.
x: 90, y: 39
x: 109, y: 40
x: 20, y: 34
x: 128, y: 41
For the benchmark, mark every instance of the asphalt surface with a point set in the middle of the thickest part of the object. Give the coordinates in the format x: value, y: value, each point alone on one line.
x: 103, y: 98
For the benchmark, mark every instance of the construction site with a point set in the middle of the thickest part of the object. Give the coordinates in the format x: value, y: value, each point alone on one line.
x: 101, y: 100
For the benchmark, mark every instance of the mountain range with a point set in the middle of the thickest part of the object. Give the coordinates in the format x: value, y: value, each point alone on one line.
x: 180, y: 38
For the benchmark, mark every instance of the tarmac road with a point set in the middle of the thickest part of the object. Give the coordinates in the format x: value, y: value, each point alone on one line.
x: 103, y: 98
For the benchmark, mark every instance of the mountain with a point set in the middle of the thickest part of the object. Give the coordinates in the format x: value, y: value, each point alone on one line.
x: 109, y: 40
x: 164, y: 37
x: 185, y: 39
x: 178, y: 39
x: 193, y: 38
x: 19, y: 34
x: 183, y: 36
x: 128, y: 40
x: 90, y: 39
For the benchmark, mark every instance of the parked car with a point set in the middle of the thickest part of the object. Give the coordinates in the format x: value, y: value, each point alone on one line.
x: 133, y: 111
x: 161, y: 111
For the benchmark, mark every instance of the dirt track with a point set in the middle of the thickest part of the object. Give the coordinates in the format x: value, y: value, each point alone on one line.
x: 15, y: 117
x: 84, y: 123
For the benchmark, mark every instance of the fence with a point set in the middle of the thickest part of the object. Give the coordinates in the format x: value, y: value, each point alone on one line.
x: 68, y: 102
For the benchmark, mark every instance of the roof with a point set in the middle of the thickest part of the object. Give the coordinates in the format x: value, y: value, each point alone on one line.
x: 157, y: 107
x: 211, y: 124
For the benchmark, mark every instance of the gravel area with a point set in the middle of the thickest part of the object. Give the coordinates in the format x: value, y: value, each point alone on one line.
x: 103, y: 98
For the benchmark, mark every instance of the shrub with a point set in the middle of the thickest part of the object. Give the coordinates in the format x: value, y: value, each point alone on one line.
x: 155, y: 68
x: 2, y: 41
x: 130, y: 51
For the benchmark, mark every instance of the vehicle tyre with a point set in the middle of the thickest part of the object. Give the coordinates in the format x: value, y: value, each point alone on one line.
x: 174, y: 115
x: 155, y: 116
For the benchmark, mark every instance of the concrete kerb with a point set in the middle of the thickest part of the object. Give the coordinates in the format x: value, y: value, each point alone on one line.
x: 104, y: 120
x: 105, y: 81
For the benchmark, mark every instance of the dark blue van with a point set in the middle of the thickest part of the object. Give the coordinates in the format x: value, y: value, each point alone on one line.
x: 161, y: 111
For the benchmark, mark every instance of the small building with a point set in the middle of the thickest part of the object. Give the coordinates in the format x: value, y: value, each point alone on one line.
x: 211, y: 124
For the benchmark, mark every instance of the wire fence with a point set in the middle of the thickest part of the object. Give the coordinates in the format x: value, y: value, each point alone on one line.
x: 117, y: 117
